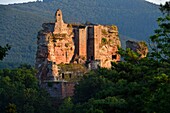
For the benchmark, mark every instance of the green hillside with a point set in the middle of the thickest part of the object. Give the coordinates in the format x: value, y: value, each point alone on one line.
x: 20, y: 23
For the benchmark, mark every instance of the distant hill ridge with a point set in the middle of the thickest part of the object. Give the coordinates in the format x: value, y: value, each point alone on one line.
x: 21, y: 22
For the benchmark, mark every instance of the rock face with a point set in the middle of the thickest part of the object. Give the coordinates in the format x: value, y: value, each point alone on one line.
x: 62, y: 43
x: 139, y: 47
x: 108, y: 46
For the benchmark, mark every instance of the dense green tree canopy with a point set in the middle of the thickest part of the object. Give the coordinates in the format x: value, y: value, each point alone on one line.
x: 161, y: 40
x: 3, y: 51
x: 132, y: 86
x: 19, y: 92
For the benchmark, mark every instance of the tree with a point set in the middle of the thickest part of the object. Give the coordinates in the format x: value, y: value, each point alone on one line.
x: 165, y: 8
x: 133, y: 86
x: 161, y: 40
x: 3, y: 51
x: 67, y: 106
x: 19, y: 92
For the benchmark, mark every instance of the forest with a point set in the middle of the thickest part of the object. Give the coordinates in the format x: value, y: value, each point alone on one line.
x: 134, y: 85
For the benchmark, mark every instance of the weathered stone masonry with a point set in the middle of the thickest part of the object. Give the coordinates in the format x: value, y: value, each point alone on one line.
x: 62, y: 43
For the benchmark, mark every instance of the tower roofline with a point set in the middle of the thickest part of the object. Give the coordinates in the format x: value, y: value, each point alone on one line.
x: 58, y: 10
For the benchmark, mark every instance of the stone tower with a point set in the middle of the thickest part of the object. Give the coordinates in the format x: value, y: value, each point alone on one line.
x: 82, y: 42
x: 63, y: 43
x: 59, y: 44
x: 60, y: 26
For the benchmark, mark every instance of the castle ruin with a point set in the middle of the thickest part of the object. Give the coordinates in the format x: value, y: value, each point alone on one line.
x: 63, y: 43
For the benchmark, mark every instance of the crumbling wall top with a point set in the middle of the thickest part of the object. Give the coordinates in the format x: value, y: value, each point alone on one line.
x: 59, y: 16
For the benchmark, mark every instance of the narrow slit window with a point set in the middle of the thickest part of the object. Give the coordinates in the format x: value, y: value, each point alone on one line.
x: 62, y: 75
x: 92, y: 57
x: 69, y: 75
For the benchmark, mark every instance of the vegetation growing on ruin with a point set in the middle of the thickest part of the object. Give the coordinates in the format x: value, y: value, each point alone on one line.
x: 104, y: 32
x: 72, y: 72
x: 114, y: 27
x: 72, y: 67
x: 104, y: 41
x: 69, y: 26
x: 66, y: 44
x: 142, y: 43
x: 59, y: 36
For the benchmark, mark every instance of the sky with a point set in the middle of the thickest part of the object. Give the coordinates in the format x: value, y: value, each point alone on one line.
x: 158, y: 1
x: 5, y: 2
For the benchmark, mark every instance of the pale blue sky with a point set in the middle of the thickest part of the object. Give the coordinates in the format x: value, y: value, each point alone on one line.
x: 15, y: 1
x: 21, y: 1
x: 158, y: 1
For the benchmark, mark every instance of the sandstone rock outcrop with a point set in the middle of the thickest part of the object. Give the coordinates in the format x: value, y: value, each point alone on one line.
x: 139, y: 47
x: 109, y: 46
x: 62, y: 43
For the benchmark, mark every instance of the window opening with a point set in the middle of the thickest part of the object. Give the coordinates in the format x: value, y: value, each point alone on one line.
x: 114, y: 57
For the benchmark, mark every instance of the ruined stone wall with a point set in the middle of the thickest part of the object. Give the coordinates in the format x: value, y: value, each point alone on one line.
x: 109, y: 46
x: 61, y: 48
x: 53, y: 49
x: 61, y: 44
x: 67, y: 89
x: 42, y: 54
x: 102, y: 44
x: 97, y: 41
x: 59, y: 90
x: 83, y: 42
x: 60, y: 26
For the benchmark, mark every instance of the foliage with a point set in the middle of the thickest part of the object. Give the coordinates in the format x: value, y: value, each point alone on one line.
x: 19, y: 92
x: 104, y: 41
x: 131, y: 56
x: 3, y: 51
x: 165, y: 8
x: 72, y: 72
x: 104, y: 32
x: 72, y: 67
x: 11, y: 108
x: 126, y: 88
x: 67, y: 106
x: 67, y: 45
x: 142, y: 43
x: 133, y: 86
x: 161, y: 40
x: 114, y: 27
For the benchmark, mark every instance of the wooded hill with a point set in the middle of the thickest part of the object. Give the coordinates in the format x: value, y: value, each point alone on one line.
x: 20, y: 23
